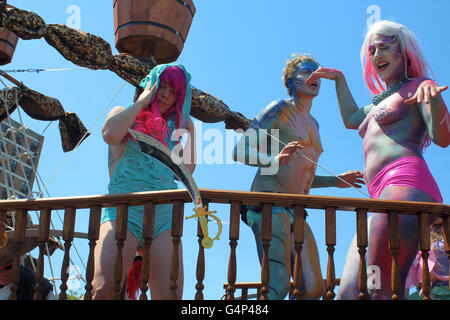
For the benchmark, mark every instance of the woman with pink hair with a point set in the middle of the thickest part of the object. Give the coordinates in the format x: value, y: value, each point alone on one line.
x: 161, y: 111
x: 407, y: 113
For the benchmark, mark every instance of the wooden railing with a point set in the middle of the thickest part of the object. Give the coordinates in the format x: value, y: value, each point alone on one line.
x: 246, y: 286
x: 235, y: 199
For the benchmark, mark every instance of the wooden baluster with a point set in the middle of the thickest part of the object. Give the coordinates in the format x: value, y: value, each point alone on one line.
x: 43, y: 236
x: 266, y: 238
x: 68, y: 234
x: 200, y: 268
x: 93, y: 235
x: 244, y: 294
x: 394, y: 246
x: 424, y: 241
x: 19, y: 238
x: 362, y: 242
x: 330, y: 239
x: 121, y: 236
x: 235, y: 213
x: 177, y: 232
x: 299, y: 237
x: 446, y: 227
x: 147, y: 236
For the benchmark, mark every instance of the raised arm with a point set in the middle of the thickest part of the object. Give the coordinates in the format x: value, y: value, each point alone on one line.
x: 120, y: 119
x: 433, y: 110
x: 351, y: 114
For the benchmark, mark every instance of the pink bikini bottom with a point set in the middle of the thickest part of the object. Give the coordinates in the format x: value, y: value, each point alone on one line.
x: 407, y: 171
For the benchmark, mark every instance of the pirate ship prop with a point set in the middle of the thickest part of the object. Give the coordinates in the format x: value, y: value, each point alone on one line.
x: 148, y: 33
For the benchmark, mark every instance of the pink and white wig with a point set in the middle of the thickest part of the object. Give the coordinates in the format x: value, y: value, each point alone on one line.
x: 150, y: 120
x: 415, y: 64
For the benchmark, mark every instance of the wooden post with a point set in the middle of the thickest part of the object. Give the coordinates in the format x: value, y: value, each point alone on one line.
x: 200, y: 268
x: 121, y: 236
x: 147, y: 236
x: 19, y: 238
x: 362, y: 242
x: 68, y: 233
x: 235, y: 213
x: 299, y: 237
x: 394, y: 246
x: 177, y: 232
x: 266, y: 238
x: 93, y: 235
x: 424, y: 241
x: 330, y: 237
x: 43, y: 236
x: 244, y: 294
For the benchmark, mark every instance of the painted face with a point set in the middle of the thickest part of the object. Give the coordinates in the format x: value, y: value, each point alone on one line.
x: 386, y: 58
x: 304, y: 70
x: 167, y: 96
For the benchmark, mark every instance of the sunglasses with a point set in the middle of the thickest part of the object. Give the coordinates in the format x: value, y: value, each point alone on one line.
x: 6, y: 267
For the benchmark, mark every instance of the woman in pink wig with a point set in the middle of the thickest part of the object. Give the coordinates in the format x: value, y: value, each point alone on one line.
x: 161, y: 110
x: 407, y: 113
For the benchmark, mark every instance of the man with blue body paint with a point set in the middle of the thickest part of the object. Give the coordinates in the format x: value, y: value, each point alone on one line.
x: 295, y: 159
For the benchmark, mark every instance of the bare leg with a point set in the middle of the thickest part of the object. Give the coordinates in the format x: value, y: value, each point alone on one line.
x: 279, y: 263
x: 349, y: 287
x: 160, y: 260
x: 281, y: 256
x: 105, y: 258
x: 313, y: 286
x: 378, y: 251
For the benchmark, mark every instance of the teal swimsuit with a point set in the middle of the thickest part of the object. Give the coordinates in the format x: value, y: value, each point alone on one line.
x: 136, y: 172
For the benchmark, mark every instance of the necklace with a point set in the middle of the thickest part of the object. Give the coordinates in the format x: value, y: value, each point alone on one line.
x: 380, y: 97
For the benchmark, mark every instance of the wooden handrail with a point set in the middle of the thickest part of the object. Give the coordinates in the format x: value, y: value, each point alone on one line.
x: 235, y: 199
x: 225, y: 196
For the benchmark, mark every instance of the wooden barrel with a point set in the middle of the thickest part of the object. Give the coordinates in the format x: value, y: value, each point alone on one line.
x: 8, y: 42
x: 156, y: 27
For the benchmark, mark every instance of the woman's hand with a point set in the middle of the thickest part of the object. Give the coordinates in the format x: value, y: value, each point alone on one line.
x: 146, y: 96
x: 287, y: 152
x: 426, y: 91
x: 326, y: 73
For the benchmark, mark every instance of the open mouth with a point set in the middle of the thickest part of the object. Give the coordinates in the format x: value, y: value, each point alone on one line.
x: 382, y: 66
x: 314, y: 85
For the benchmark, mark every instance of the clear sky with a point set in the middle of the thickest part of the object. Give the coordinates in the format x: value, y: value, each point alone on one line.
x: 236, y: 51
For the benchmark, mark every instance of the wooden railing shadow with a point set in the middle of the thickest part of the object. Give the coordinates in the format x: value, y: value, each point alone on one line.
x: 235, y: 199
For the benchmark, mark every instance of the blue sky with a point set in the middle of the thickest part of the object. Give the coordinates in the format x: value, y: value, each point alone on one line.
x: 236, y: 51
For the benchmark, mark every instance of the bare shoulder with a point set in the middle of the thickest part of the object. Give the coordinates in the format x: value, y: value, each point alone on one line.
x: 269, y: 114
